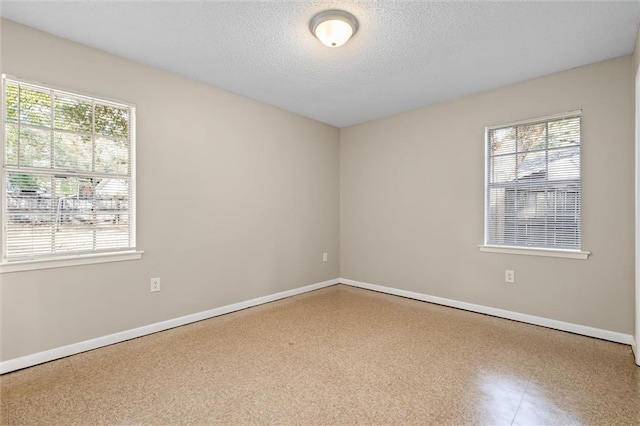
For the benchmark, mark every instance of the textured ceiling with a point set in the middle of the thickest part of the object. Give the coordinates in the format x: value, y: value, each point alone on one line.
x: 406, y: 54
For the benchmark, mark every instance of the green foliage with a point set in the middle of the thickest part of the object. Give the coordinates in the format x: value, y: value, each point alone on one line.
x: 11, y: 102
x: 73, y: 114
x: 112, y: 121
x: 23, y: 182
x: 87, y: 135
x: 70, y: 113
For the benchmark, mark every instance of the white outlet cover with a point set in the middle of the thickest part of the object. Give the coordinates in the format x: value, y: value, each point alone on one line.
x: 509, y: 276
x: 155, y: 284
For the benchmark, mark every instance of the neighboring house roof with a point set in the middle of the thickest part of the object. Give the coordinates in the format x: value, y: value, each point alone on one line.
x: 562, y: 164
x: 112, y: 187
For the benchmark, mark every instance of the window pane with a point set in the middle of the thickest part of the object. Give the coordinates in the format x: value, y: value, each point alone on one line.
x: 73, y: 114
x: 112, y: 189
x: 112, y: 155
x: 35, y: 147
x: 11, y: 146
x: 75, y: 236
x: 75, y: 201
x: 112, y: 201
x: 112, y: 121
x: 72, y: 151
x: 503, y: 141
x: 25, y: 183
x: 564, y: 164
x: 496, y: 215
x: 503, y: 169
x: 532, y: 165
x: 531, y: 137
x: 35, y: 107
x: 27, y: 237
x: 564, y: 133
x: 110, y: 234
x: 29, y: 214
x: 11, y: 102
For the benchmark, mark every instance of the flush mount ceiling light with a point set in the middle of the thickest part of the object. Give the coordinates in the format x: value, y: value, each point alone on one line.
x: 334, y: 27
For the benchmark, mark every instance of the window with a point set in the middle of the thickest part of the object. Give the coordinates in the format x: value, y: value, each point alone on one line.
x: 533, y: 185
x: 69, y: 174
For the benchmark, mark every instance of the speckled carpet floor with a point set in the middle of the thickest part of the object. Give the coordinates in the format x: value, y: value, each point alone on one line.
x: 339, y: 355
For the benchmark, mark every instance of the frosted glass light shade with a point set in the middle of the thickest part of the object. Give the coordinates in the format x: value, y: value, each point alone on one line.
x: 334, y: 27
x: 334, y: 33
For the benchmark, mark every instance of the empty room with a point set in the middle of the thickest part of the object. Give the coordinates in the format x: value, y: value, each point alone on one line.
x: 320, y: 212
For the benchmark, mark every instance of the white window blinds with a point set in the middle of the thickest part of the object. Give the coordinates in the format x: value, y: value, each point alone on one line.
x: 533, y: 183
x: 68, y: 176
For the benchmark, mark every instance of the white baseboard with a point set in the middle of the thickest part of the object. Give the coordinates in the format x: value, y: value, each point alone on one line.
x: 634, y: 346
x: 613, y: 336
x: 75, y: 348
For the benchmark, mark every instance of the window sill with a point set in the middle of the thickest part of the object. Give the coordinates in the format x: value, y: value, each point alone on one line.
x: 60, y: 262
x: 530, y: 251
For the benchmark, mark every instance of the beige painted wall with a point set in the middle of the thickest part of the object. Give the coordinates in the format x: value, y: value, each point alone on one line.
x: 636, y: 72
x: 636, y: 53
x: 412, y: 189
x: 264, y: 182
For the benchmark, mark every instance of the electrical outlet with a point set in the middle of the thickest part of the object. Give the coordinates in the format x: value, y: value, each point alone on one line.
x: 155, y: 285
x: 509, y: 276
x: 325, y: 257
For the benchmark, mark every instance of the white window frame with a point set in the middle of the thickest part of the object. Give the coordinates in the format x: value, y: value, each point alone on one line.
x: 522, y: 250
x: 56, y: 261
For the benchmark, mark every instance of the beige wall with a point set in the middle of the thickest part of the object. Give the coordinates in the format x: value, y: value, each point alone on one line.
x: 636, y: 53
x: 636, y: 72
x: 412, y: 190
x: 264, y: 182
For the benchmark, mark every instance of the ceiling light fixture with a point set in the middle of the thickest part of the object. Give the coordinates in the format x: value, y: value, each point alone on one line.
x: 334, y: 27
